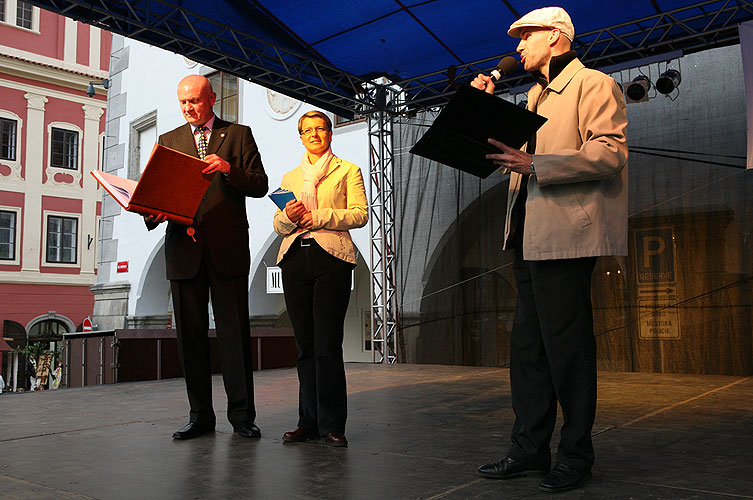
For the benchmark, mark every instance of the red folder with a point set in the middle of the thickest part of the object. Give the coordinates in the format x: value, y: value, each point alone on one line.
x: 171, y: 184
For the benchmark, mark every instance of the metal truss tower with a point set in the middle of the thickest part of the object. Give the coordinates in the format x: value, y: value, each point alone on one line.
x: 384, y: 313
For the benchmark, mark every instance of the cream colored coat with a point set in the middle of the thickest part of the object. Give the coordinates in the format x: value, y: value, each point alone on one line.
x: 342, y: 203
x: 577, y: 201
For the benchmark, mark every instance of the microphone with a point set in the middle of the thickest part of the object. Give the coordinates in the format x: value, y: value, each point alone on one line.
x: 504, y: 67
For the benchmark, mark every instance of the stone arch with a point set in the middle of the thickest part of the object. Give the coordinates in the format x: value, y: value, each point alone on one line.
x: 153, y: 289
x: 270, y: 310
x: 469, y: 298
x: 265, y: 308
x: 69, y: 325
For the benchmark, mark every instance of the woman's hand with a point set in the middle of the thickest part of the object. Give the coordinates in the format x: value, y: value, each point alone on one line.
x: 307, y: 221
x: 295, y: 210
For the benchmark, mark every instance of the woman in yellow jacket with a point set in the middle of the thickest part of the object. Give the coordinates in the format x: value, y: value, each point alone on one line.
x: 317, y: 256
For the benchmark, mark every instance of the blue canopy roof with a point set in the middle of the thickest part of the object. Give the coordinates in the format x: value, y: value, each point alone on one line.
x: 325, y: 52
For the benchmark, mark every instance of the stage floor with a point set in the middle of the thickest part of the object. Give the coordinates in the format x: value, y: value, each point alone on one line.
x: 415, y: 432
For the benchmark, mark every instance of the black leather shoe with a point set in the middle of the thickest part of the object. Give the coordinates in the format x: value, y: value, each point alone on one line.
x: 192, y: 430
x: 564, y: 478
x: 336, y: 439
x: 509, y: 468
x: 247, y: 430
x: 299, y: 435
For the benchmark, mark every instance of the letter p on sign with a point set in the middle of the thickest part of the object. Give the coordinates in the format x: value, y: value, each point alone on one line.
x: 655, y: 255
x: 652, y: 246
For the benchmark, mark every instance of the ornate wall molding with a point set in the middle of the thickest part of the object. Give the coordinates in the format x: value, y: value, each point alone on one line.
x: 92, y: 112
x: 35, y: 101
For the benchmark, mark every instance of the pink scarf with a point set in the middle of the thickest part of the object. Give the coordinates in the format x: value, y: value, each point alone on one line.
x: 312, y: 174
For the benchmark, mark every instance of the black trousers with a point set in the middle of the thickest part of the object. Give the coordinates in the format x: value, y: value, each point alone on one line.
x: 317, y: 291
x: 553, y: 359
x: 230, y: 305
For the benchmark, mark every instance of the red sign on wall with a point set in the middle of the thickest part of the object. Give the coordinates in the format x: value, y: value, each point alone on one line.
x: 87, y: 325
x: 122, y: 267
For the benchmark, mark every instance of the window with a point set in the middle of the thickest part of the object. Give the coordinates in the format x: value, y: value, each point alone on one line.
x: 64, y: 149
x: 226, y: 88
x: 143, y: 136
x: 24, y: 14
x: 7, y: 139
x: 7, y: 235
x: 50, y: 330
x: 19, y: 13
x: 61, y: 239
x: 341, y: 120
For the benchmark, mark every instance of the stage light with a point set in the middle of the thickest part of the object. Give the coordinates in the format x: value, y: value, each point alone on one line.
x: 668, y: 81
x: 637, y: 90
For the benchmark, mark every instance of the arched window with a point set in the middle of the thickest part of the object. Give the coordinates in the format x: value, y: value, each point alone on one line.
x: 47, y: 330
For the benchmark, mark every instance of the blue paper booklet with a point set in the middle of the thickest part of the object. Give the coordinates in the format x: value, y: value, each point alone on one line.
x: 281, y: 197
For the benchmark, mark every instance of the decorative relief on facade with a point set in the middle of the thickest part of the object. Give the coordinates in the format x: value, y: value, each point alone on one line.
x: 279, y: 106
x: 92, y: 112
x: 62, y: 178
x: 35, y: 101
x: 11, y: 171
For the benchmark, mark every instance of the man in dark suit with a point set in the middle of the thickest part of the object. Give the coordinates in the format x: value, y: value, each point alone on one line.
x: 212, y: 256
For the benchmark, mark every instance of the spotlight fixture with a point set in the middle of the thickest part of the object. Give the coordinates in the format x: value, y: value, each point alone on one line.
x: 668, y: 81
x: 90, y: 90
x: 637, y: 90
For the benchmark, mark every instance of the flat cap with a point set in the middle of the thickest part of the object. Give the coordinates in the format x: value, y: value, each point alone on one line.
x: 546, y: 17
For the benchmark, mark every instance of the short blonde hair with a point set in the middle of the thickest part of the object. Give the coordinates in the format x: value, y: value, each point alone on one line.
x: 315, y: 114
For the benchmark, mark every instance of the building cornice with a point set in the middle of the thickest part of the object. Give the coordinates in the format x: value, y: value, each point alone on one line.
x: 51, y: 62
x: 35, y: 278
x: 68, y: 96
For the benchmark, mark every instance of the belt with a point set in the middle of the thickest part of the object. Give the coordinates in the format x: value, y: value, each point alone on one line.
x: 307, y: 242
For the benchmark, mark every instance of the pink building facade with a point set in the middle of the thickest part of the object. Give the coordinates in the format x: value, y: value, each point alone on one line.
x: 51, y: 137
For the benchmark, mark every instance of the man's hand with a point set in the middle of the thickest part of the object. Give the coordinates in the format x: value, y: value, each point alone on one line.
x: 511, y: 158
x: 157, y: 219
x: 483, y: 82
x: 295, y: 211
x: 216, y: 164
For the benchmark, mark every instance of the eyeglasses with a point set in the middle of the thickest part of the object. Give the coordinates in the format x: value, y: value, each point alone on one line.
x: 312, y: 131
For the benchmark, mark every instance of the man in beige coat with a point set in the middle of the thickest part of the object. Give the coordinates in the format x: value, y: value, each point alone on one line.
x: 567, y: 204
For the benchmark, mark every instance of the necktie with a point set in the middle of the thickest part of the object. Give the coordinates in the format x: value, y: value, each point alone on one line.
x: 203, y: 145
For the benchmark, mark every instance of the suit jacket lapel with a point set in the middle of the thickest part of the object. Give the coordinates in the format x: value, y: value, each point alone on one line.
x: 185, y: 141
x: 334, y: 164
x: 219, y: 132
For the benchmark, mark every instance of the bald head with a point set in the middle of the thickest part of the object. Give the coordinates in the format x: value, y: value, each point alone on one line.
x: 196, y: 99
x: 196, y: 82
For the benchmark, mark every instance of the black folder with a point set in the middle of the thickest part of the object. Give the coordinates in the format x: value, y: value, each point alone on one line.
x: 458, y: 136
